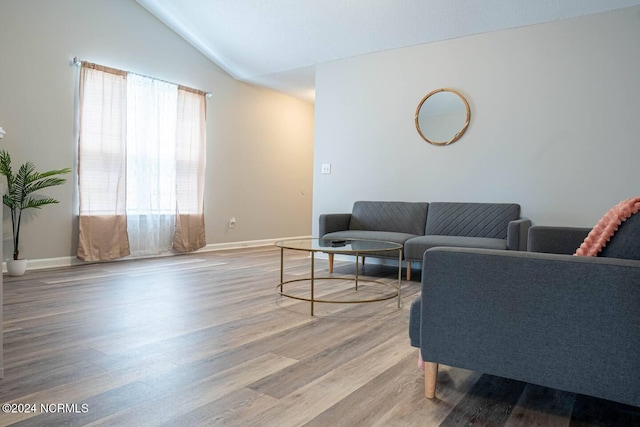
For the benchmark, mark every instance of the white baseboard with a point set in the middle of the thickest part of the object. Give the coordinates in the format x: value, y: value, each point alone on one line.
x: 247, y: 244
x: 38, y: 264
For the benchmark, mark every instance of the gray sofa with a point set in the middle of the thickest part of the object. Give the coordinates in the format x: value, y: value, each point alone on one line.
x: 419, y: 226
x: 551, y: 319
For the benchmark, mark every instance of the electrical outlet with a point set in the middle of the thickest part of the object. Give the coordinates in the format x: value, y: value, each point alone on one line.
x: 232, y: 222
x: 326, y: 168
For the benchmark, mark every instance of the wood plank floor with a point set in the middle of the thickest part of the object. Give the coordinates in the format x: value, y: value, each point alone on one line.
x: 204, y: 339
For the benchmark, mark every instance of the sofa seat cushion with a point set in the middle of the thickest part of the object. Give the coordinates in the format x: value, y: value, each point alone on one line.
x: 385, y: 236
x: 415, y: 248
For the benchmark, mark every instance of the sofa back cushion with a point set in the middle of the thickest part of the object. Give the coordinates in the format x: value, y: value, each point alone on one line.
x: 616, y: 234
x: 471, y: 219
x: 625, y: 243
x: 399, y: 217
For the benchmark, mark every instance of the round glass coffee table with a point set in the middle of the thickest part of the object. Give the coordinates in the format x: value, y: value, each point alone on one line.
x: 352, y: 247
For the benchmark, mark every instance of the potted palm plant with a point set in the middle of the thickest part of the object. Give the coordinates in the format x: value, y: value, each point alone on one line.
x: 22, y: 187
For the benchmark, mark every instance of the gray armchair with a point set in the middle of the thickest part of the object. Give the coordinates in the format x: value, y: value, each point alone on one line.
x: 556, y: 320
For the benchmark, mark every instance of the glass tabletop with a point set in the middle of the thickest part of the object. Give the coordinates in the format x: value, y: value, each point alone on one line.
x: 338, y: 246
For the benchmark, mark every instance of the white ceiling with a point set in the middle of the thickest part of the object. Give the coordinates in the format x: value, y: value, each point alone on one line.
x: 277, y: 43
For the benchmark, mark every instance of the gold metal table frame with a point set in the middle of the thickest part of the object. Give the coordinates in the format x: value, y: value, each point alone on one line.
x: 354, y: 247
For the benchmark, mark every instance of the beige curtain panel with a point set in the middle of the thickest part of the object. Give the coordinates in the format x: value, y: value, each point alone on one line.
x: 102, y: 164
x: 190, y: 167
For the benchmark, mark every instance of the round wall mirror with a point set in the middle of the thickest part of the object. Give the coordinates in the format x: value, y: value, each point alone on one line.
x: 442, y: 116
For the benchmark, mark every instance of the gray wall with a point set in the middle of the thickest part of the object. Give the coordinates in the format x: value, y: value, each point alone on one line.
x: 554, y: 121
x: 259, y: 142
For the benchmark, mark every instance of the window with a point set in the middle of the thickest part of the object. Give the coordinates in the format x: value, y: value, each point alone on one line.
x: 141, y: 165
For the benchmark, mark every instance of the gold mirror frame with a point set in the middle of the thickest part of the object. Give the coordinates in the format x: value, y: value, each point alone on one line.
x: 459, y: 133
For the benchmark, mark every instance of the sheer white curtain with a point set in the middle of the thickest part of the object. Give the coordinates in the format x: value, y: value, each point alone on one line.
x: 141, y: 165
x: 151, y: 164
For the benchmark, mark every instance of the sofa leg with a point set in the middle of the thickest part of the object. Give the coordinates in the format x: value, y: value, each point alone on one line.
x: 430, y: 379
x: 408, y: 270
x: 330, y: 263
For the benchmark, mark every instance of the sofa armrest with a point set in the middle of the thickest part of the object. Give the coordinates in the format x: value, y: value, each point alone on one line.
x: 517, y: 233
x: 334, y: 222
x: 559, y: 321
x: 556, y: 240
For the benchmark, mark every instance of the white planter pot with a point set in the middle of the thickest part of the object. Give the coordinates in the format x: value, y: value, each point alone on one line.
x: 16, y: 267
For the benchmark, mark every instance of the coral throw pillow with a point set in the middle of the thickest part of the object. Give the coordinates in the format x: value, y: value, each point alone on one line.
x: 604, y: 230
